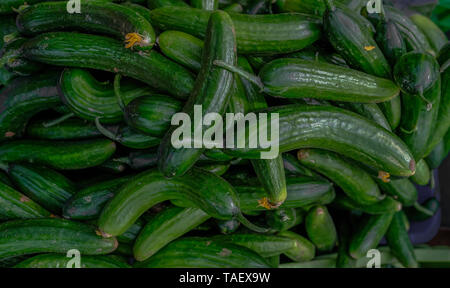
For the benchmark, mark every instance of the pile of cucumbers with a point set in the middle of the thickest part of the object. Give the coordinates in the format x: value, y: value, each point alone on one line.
x: 87, y: 163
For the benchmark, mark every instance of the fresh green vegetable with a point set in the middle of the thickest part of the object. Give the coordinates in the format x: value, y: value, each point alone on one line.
x: 284, y: 219
x: 304, y: 249
x: 436, y: 38
x: 423, y: 173
x: 402, y: 190
x: 70, y: 129
x: 387, y: 205
x: 320, y: 228
x: 62, y: 261
x: 431, y: 206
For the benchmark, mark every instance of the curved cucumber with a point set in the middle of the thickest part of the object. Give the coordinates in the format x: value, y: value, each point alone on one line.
x: 354, y: 181
x: 392, y: 110
x: 22, y: 237
x: 103, y: 53
x: 62, y: 261
x: 423, y: 173
x: 70, y: 129
x: 98, y: 16
x: 320, y: 228
x: 266, y: 34
x: 63, y: 155
x: 369, y: 110
x: 303, y: 251
x: 401, y: 189
x: 292, y: 166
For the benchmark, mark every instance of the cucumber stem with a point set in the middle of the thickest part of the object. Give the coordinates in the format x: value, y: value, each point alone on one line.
x: 422, y: 209
x: 105, y: 131
x: 58, y: 120
x: 241, y: 72
x: 244, y: 221
x: 117, y: 92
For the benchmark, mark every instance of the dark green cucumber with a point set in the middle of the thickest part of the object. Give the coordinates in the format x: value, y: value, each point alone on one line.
x: 354, y: 181
x: 70, y: 129
x: 354, y: 42
x: 338, y: 130
x: 103, y: 53
x: 211, y: 91
x: 22, y: 237
x: 417, y: 74
x: 62, y: 261
x: 199, y: 188
x: 11, y: 58
x: 431, y: 204
x: 7, y: 26
x: 303, y: 251
x: 165, y: 227
x: 153, y: 4
x: 127, y: 136
x: 63, y: 155
x: 267, y: 34
x: 387, y: 205
x: 399, y: 243
x: 392, y: 110
x: 320, y: 228
x: 89, y: 98
x: 131, y: 234
x: 440, y: 152
x: 88, y: 203
x: 98, y: 16
x: 139, y: 160
x: 344, y: 260
x: 402, y: 190
x: 369, y: 110
x: 228, y: 226
x: 234, y: 8
x: 369, y: 234
x: 217, y: 168
x: 15, y: 205
x: 436, y: 38
x: 315, y: 53
x: 8, y: 6
x: 423, y: 173
x: 302, y: 6
x: 284, y: 219
x: 301, y: 192
x: 112, y: 167
x: 195, y: 252
x: 205, y: 4
x: 23, y: 98
x: 44, y: 186
x: 292, y: 166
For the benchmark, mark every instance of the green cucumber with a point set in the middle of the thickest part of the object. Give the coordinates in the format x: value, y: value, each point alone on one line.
x: 165, y: 227
x: 402, y: 190
x: 103, y: 53
x: 369, y: 110
x: 88, y: 203
x: 7, y: 26
x: 11, y: 58
x: 320, y: 228
x: 301, y: 192
x: 154, y: 4
x: 387, y: 205
x: 97, y: 17
x: 15, y: 205
x: 217, y: 168
x: 195, y: 252
x: 418, y: 76
x: 205, y: 4
x: 303, y: 251
x: 344, y: 260
x: 131, y: 234
x: 113, y: 167
x: 228, y: 226
x: 423, y: 173
x: 24, y: 97
x: 332, y: 128
x: 139, y: 160
x: 261, y: 34
x: 63, y: 155
x: 62, y: 261
x: 314, y: 53
x: 234, y: 8
x: 302, y: 6
x: 22, y: 237
x: 212, y: 91
x: 398, y: 240
x: 89, y: 98
x: 436, y: 38
x: 284, y: 219
x: 9, y: 6
x: 44, y: 186
x: 369, y: 234
x: 292, y: 166
x: 70, y: 129
x: 440, y: 152
x: 354, y: 42
x: 127, y: 136
x: 432, y: 205
x: 355, y: 182
x: 392, y: 110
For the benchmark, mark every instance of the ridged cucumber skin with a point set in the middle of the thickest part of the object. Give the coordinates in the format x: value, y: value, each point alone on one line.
x: 337, y: 130
x: 440, y: 152
x: 88, y: 203
x: 102, y: 53
x: 70, y: 129
x: 423, y: 173
x: 165, y: 227
x: 15, y: 205
x: 399, y: 242
x: 89, y: 98
x: 98, y: 17
x: 418, y: 76
x: 284, y: 219
x: 354, y: 42
x: 43, y: 185
x: 392, y: 110
x: 354, y: 181
x: 61, y: 261
x: 320, y: 228
x: 285, y: 78
x: 22, y: 237
x: 255, y: 34
x: 24, y: 97
x: 212, y: 90
x: 387, y: 205
x: 195, y: 252
x: 369, y: 110
x: 151, y: 114
x: 303, y: 251
x: 369, y: 234
x: 199, y: 188
x: 402, y: 190
x: 436, y: 38
x: 154, y: 4
x: 62, y: 155
x: 301, y: 192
